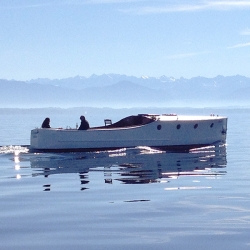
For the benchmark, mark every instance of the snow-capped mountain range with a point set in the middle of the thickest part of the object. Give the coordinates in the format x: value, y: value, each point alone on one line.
x: 113, y: 90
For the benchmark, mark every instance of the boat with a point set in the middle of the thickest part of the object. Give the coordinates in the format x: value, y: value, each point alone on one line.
x: 165, y: 132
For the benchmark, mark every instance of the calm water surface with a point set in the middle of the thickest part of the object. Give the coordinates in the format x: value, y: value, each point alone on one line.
x: 129, y: 199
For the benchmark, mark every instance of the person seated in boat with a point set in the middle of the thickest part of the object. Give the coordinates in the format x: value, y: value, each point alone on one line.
x: 84, y: 123
x: 46, y: 123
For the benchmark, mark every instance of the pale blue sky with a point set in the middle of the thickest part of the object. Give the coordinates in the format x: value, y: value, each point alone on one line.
x: 178, y: 38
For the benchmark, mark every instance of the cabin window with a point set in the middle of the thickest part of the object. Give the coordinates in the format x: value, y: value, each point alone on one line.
x: 159, y: 127
x: 178, y: 126
x: 212, y: 124
x: 196, y: 126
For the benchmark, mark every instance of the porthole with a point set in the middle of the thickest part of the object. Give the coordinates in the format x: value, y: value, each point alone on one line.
x: 159, y: 127
x: 178, y: 126
x: 211, y: 125
x: 196, y: 126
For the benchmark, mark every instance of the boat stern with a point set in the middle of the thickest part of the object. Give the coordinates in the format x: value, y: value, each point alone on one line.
x: 34, y: 138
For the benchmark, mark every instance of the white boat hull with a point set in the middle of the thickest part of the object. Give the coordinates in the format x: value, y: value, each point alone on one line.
x: 173, y: 132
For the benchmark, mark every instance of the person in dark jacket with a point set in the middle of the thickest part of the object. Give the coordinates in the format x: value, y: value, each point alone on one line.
x: 84, y: 123
x: 46, y: 123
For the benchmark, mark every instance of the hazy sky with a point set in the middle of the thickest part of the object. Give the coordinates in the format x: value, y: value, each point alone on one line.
x: 178, y: 38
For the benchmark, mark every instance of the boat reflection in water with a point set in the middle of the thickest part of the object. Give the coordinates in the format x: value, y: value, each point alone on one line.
x: 133, y: 166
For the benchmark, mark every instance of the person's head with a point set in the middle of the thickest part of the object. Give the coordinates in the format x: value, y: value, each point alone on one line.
x: 47, y: 120
x: 82, y: 118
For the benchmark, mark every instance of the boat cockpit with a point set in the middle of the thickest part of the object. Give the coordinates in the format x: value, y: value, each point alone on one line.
x: 133, y: 120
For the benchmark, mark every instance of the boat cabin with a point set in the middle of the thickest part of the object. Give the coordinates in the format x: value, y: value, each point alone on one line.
x: 133, y: 120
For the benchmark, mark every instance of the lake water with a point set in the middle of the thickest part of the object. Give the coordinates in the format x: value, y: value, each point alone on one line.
x: 125, y: 199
